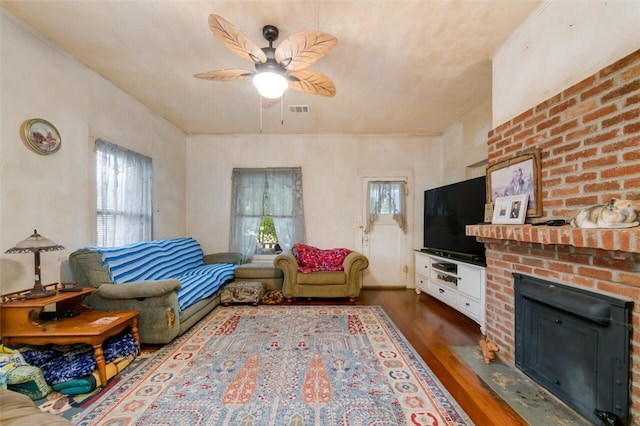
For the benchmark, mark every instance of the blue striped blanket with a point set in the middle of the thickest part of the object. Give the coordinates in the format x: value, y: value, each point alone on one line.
x: 178, y: 258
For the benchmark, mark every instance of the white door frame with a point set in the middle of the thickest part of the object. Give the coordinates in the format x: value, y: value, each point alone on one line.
x: 407, y: 176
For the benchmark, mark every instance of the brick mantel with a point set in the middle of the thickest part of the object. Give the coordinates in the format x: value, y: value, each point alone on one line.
x: 625, y: 240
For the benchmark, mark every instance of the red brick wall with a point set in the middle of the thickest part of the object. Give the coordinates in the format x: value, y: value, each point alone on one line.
x: 612, y: 272
x: 589, y: 140
x: 589, y: 136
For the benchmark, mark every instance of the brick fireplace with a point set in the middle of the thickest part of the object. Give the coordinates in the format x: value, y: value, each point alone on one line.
x: 589, y: 140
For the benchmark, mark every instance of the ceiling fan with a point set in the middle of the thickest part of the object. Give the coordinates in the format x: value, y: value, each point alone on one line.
x: 279, y: 68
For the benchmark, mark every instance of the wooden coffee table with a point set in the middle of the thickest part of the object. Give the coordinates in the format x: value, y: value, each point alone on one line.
x: 20, y: 324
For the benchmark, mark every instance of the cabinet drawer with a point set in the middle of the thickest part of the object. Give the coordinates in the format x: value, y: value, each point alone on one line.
x: 422, y: 283
x: 470, y: 305
x: 422, y: 264
x: 443, y: 292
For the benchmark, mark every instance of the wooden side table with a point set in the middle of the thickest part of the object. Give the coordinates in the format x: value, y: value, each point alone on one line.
x: 20, y: 324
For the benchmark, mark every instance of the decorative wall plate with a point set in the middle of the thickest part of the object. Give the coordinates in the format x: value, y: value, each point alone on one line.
x: 40, y: 136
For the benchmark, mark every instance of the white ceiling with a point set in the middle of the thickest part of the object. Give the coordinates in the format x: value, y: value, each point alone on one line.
x: 404, y: 67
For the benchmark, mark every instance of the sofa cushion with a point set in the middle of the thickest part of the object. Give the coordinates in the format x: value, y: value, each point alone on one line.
x: 322, y: 278
x: 258, y: 270
x: 313, y: 259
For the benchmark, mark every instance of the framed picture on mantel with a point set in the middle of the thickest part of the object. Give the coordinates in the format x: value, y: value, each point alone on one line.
x: 510, y: 210
x: 517, y: 176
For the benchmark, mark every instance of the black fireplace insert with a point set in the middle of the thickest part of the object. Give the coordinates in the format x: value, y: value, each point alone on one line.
x: 575, y: 343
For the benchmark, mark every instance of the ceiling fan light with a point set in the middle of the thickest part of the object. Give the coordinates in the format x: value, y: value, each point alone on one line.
x: 270, y: 84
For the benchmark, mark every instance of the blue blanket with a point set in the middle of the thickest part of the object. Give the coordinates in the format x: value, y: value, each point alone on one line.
x: 60, y: 363
x: 178, y: 258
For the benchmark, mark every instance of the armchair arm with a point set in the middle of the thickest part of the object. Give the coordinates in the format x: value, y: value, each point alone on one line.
x: 354, y: 263
x: 138, y: 289
x: 224, y: 257
x: 289, y: 265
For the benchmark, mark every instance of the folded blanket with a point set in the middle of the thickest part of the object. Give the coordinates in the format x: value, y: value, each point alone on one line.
x: 118, y: 346
x: 28, y: 380
x: 17, y: 375
x: 76, y: 386
x: 75, y: 363
x: 91, y: 381
x: 10, y: 358
x: 64, y: 363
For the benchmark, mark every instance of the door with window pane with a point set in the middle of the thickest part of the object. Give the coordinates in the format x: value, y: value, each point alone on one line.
x: 384, y: 240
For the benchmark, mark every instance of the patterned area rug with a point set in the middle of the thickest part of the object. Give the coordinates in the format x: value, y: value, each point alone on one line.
x: 282, y: 365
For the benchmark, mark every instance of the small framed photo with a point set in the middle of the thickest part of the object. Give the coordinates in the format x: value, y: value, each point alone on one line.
x: 488, y: 212
x: 515, y: 176
x: 510, y: 210
x: 40, y: 136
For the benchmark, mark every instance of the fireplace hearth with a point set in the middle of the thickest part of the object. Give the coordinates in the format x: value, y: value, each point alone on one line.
x: 575, y: 343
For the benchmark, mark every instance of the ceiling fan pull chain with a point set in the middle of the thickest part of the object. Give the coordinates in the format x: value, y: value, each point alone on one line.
x: 260, y: 106
x: 282, y: 110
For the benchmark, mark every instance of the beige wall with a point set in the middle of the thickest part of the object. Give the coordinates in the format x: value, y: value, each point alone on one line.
x: 464, y: 144
x: 54, y: 193
x: 560, y: 44
x: 332, y: 167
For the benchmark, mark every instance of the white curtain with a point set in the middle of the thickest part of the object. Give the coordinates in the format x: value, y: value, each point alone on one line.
x: 256, y: 193
x: 287, y: 207
x: 123, y: 195
x: 386, y: 197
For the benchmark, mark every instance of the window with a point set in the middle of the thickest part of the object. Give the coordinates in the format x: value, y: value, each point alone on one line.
x: 386, y: 198
x: 267, y: 237
x: 124, y: 209
x: 267, y: 210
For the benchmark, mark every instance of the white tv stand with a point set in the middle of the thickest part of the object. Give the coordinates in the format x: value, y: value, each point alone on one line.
x: 459, y: 284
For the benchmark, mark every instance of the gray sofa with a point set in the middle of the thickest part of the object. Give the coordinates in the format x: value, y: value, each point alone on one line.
x: 161, y: 319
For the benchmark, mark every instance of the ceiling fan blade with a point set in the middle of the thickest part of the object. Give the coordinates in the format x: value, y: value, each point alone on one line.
x: 225, y: 75
x: 300, y: 50
x: 312, y: 82
x: 235, y: 40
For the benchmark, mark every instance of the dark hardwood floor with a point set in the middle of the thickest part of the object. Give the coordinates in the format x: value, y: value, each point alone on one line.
x: 432, y: 328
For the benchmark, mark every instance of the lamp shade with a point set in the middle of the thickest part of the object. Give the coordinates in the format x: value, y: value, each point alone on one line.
x: 270, y: 84
x: 36, y: 243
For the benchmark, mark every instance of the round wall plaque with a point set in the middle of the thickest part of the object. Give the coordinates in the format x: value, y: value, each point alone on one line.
x: 40, y: 136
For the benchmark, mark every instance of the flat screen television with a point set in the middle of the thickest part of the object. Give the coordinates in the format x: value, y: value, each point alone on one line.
x: 447, y: 210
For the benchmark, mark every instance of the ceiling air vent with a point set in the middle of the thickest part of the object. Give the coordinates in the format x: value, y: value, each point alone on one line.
x: 299, y: 109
